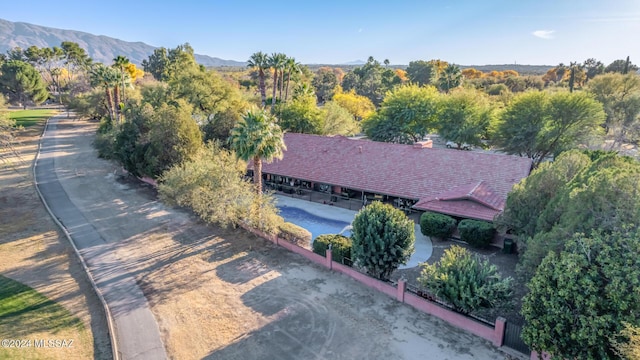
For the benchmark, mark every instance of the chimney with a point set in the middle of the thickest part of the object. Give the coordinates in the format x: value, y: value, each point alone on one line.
x: 423, y: 144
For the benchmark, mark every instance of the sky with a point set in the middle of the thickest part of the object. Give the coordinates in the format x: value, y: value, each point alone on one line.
x: 466, y: 32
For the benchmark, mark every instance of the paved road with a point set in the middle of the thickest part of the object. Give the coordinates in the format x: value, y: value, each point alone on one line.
x: 137, y: 332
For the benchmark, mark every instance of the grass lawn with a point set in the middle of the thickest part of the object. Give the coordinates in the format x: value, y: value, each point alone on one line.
x: 31, y: 117
x: 28, y: 315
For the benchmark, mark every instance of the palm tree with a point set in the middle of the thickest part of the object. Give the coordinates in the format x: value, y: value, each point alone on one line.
x: 291, y: 66
x: 258, y: 137
x: 277, y: 61
x: 108, y: 78
x: 260, y: 61
x: 450, y: 78
x: 120, y: 62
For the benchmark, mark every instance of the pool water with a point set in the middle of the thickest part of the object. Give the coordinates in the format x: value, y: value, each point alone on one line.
x: 317, y: 225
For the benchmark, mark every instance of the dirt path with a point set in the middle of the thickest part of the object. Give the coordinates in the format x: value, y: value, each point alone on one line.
x: 225, y: 294
x: 34, y: 253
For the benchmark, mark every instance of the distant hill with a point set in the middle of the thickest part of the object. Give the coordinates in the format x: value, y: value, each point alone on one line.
x: 100, y: 48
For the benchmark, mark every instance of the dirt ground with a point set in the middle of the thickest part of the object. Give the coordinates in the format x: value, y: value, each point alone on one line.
x: 34, y: 253
x: 226, y: 294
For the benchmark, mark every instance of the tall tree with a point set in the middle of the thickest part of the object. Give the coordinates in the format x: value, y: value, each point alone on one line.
x: 107, y: 78
x: 421, y: 72
x: 121, y: 63
x: 325, y: 83
x: 22, y: 83
x: 358, y: 106
x: 277, y: 62
x: 383, y: 239
x: 620, y: 96
x: 257, y: 137
x: 407, y: 114
x: 450, y: 77
x: 580, y: 299
x: 593, y: 68
x: 464, y: 117
x: 260, y: 61
x: 539, y: 124
x: 292, y: 66
x: 621, y: 66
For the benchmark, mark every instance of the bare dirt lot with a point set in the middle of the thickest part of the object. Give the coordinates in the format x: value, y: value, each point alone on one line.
x: 226, y: 294
x: 34, y: 253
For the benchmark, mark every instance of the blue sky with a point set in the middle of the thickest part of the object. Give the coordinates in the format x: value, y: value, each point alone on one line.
x: 461, y: 31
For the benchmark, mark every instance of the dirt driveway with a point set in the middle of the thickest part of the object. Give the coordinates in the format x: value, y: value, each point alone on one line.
x: 226, y: 294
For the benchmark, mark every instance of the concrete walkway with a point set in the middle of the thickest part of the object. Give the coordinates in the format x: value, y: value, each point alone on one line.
x: 423, y: 246
x: 137, y: 332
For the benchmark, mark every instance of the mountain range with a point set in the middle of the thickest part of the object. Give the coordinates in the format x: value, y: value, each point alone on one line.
x: 100, y: 48
x: 104, y: 48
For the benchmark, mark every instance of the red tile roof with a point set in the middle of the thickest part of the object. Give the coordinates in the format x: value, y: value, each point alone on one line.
x: 433, y: 176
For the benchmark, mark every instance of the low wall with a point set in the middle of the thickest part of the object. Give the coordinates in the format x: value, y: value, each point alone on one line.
x: 365, y: 279
x: 494, y: 334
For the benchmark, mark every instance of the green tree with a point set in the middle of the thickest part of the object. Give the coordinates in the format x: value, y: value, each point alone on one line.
x: 465, y: 282
x: 260, y: 61
x: 292, y: 67
x: 620, y: 97
x: 338, y: 121
x: 22, y: 83
x: 528, y: 199
x: 217, y: 104
x: 421, y: 72
x: 7, y: 128
x: 121, y: 62
x: 325, y: 82
x: 465, y: 117
x: 107, y: 78
x: 450, y: 78
x: 407, y: 114
x: 301, y: 116
x: 277, y: 61
x: 164, y: 63
x: 257, y: 137
x: 539, y: 124
x: 367, y: 81
x: 605, y: 195
x: 580, y: 298
x: 593, y: 68
x: 621, y: 66
x: 383, y: 239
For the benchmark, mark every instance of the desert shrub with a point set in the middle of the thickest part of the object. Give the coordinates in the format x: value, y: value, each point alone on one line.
x: 295, y: 234
x: 212, y: 185
x: 476, y: 233
x: 340, y: 246
x: 465, y: 282
x: 437, y: 225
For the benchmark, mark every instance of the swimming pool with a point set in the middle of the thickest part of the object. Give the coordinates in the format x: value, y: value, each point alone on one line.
x: 315, y: 224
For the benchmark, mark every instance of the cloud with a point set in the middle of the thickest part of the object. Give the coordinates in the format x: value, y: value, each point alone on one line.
x: 544, y: 34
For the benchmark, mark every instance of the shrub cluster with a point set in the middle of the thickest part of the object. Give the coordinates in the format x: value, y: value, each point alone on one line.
x: 340, y: 246
x: 476, y: 233
x: 437, y: 225
x: 295, y: 234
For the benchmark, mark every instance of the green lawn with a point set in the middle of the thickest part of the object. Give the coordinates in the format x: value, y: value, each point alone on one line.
x: 27, y: 314
x: 31, y: 117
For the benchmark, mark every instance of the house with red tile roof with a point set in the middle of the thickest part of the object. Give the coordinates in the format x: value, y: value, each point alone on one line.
x: 463, y: 184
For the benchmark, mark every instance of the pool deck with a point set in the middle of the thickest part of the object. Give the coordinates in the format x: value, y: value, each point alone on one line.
x: 423, y: 246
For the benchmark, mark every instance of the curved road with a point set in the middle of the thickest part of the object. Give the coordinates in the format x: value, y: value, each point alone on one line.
x: 137, y: 332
